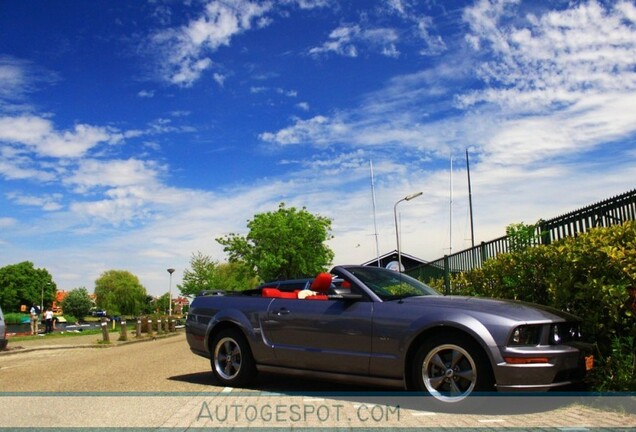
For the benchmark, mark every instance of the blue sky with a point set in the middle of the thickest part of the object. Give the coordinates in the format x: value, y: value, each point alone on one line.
x: 132, y: 134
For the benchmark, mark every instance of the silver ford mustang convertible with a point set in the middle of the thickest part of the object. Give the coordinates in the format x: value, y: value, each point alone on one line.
x: 373, y: 325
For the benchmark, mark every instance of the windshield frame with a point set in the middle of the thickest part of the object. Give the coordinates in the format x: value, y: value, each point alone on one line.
x: 386, y: 284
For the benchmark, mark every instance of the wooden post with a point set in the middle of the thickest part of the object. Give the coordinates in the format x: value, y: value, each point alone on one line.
x: 124, y: 331
x: 166, y: 325
x: 105, y: 335
x: 172, y: 325
x: 138, y: 328
x: 159, y: 329
x: 149, y: 326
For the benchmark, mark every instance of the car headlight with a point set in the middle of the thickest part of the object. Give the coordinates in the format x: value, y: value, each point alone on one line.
x: 565, y: 333
x: 525, y: 335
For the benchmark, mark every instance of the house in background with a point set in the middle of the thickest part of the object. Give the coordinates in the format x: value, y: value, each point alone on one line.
x: 391, y: 258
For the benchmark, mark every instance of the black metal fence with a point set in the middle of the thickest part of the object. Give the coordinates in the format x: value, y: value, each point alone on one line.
x: 611, y: 211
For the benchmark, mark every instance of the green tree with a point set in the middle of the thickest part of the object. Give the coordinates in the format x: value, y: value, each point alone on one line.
x: 23, y: 284
x: 521, y: 236
x: 283, y: 244
x: 77, y: 303
x: 119, y: 292
x: 207, y: 274
x: 162, y: 304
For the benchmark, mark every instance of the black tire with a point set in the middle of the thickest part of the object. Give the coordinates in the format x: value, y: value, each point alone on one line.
x: 451, y: 368
x: 231, y: 358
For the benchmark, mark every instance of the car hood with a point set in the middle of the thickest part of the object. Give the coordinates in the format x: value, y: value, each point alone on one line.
x: 514, y: 310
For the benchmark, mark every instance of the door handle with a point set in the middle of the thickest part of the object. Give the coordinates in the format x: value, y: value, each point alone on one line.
x: 282, y: 311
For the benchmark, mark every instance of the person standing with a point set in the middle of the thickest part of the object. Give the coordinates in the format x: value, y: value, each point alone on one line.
x: 48, y: 319
x: 35, y: 319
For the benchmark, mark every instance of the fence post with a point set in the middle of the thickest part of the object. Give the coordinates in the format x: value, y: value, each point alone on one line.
x: 105, y: 335
x: 544, y: 232
x: 447, y: 286
x: 124, y: 331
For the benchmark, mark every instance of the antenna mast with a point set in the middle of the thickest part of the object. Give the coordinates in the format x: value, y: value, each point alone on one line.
x: 470, y: 203
x: 375, y: 223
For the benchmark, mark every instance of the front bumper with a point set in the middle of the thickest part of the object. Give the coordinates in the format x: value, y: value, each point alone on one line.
x: 548, y: 367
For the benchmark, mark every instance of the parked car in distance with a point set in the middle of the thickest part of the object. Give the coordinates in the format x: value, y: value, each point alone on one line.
x: 379, y: 326
x: 98, y: 313
x: 3, y: 332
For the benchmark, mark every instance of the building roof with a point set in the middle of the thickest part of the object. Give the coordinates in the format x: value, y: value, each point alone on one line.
x: 408, y: 261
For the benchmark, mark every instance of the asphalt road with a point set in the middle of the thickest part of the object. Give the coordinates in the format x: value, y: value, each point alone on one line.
x: 160, y: 383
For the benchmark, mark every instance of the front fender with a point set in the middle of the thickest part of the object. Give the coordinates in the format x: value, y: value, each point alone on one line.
x: 458, y: 322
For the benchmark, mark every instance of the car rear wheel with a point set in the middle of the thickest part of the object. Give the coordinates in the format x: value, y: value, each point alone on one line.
x: 451, y: 368
x: 232, y: 361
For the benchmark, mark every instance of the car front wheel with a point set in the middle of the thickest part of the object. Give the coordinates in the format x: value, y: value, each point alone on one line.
x: 451, y: 368
x: 232, y: 361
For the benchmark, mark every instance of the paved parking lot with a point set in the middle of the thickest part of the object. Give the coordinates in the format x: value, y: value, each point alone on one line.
x: 160, y: 384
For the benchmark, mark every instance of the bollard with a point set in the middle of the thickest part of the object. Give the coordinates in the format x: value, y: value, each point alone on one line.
x: 159, y: 326
x: 138, y: 328
x: 166, y: 325
x: 124, y: 331
x: 105, y: 334
x: 149, y: 326
x: 172, y: 325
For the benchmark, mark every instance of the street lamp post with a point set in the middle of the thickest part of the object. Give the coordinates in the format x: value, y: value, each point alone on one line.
x: 170, y: 270
x: 397, y: 233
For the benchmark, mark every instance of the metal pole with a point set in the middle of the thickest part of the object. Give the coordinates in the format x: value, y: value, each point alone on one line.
x: 397, y: 235
x: 397, y: 232
x: 470, y: 203
x: 170, y: 270
x: 375, y: 224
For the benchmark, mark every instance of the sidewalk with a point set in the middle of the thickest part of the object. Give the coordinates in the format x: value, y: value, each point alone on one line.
x: 79, y: 340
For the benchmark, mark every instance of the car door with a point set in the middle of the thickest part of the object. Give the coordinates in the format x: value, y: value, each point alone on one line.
x: 325, y: 335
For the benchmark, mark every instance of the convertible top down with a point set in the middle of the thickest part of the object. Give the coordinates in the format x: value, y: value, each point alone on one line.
x: 369, y: 324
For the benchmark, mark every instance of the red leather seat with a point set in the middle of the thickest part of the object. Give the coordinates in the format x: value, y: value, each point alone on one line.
x: 321, y: 285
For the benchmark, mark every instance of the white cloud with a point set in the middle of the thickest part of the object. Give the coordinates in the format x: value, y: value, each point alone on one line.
x: 46, y: 202
x: 6, y: 222
x: 557, y: 58
x: 146, y: 94
x: 303, y: 106
x: 185, y: 50
x: 12, y: 78
x: 317, y: 130
x: 93, y: 173
x: 346, y: 40
x: 310, y: 4
x: 19, y: 77
x: 39, y: 135
x: 563, y: 84
x: 219, y: 78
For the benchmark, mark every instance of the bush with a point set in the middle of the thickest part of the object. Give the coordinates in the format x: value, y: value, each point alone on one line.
x: 77, y: 303
x: 617, y: 370
x: 592, y: 276
x: 16, y: 318
x: 70, y: 319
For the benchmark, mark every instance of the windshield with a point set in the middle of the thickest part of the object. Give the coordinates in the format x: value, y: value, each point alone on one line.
x: 389, y: 284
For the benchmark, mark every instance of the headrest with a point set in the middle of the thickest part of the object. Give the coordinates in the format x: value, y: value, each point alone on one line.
x: 322, y: 283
